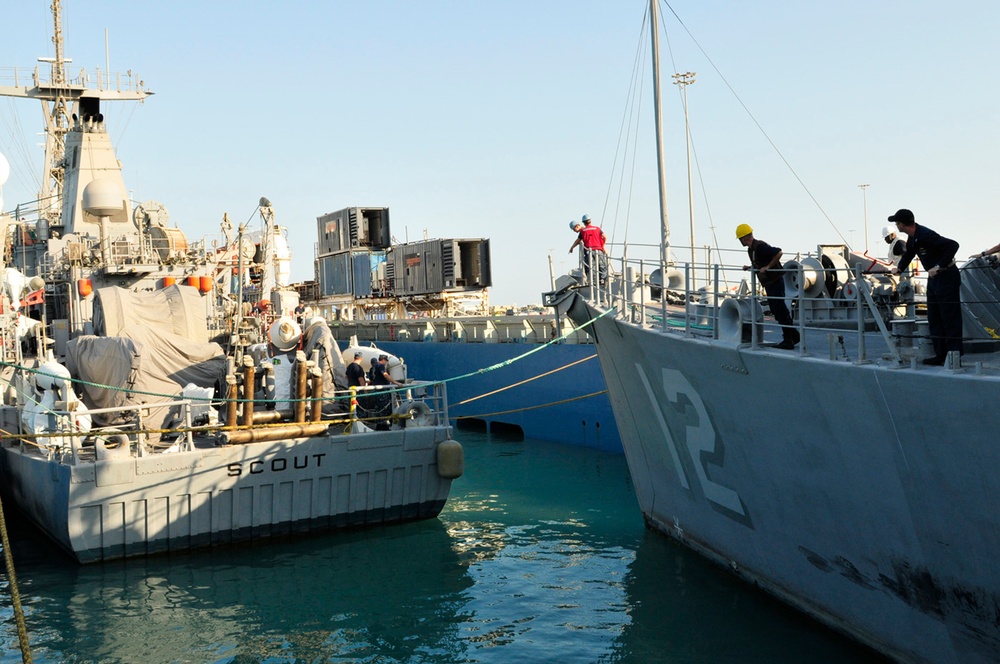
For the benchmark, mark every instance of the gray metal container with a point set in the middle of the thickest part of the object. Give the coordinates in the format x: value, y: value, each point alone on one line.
x: 435, y: 266
x: 335, y: 272
x: 354, y: 227
x: 351, y: 272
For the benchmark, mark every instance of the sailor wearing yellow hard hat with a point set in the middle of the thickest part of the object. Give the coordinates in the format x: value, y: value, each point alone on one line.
x: 766, y: 260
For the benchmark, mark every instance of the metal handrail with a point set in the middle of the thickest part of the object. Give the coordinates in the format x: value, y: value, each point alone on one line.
x: 621, y: 292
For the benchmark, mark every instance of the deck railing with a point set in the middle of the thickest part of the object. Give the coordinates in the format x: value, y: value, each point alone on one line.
x: 876, y: 312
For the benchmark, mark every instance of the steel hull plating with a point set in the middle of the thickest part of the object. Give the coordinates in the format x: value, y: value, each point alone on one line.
x: 101, y: 510
x: 863, y: 495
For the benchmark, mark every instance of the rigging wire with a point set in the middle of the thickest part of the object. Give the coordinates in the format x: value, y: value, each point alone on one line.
x: 527, y: 408
x: 17, y: 146
x: 694, y: 151
x: 758, y: 125
x: 638, y: 69
x: 630, y: 139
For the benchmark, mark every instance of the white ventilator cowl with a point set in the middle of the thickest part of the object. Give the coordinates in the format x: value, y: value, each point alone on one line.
x: 4, y: 174
x: 4, y: 169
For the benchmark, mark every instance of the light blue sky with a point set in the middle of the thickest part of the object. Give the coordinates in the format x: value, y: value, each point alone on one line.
x: 501, y: 120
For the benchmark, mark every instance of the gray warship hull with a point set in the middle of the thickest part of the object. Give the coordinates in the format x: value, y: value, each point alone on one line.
x: 865, y: 495
x: 208, y: 415
x: 117, y: 508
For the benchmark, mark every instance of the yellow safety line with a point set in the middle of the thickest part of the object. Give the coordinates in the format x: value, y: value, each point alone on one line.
x: 25, y: 437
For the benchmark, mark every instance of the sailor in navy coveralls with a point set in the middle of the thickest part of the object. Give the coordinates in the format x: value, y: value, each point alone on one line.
x: 766, y: 260
x: 944, y: 283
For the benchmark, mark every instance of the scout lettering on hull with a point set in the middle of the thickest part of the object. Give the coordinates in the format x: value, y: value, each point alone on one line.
x: 275, y: 465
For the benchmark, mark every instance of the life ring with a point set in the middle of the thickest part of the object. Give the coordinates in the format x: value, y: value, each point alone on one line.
x: 418, y: 412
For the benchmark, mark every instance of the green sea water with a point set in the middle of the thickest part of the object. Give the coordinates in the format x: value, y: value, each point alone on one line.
x: 541, y: 555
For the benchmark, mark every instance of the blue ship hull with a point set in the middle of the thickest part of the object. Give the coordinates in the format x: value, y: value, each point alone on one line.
x: 555, y: 407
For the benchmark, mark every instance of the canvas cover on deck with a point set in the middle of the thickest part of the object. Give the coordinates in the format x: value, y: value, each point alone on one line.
x: 176, y: 309
x: 318, y: 337
x: 145, y: 363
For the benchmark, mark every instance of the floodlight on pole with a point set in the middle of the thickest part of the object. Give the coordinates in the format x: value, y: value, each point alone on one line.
x: 684, y: 80
x: 864, y: 198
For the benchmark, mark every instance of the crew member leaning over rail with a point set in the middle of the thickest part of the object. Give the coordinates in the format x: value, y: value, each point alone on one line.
x: 944, y: 283
x: 765, y: 259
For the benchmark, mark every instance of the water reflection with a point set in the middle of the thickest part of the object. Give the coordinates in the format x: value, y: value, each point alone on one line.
x: 683, y: 607
x: 392, y: 592
x: 540, y: 555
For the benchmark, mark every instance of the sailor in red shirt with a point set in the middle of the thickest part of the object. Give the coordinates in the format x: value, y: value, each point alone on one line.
x: 592, y: 238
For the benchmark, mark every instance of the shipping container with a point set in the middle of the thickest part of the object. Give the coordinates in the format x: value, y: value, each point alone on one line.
x: 354, y: 228
x: 353, y: 272
x: 362, y: 266
x: 437, y: 266
x: 472, y: 270
x: 390, y: 275
x: 334, y: 272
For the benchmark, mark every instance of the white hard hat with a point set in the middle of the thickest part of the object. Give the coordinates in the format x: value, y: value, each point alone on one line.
x: 886, y: 232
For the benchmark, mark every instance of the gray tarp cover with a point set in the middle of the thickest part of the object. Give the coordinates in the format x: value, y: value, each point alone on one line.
x: 145, y: 360
x: 176, y: 309
x: 318, y: 336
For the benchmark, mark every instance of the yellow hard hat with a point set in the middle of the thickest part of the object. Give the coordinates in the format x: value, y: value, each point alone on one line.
x: 743, y: 230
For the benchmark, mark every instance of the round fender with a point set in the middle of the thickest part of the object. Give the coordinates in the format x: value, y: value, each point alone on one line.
x: 418, y: 412
x: 450, y: 459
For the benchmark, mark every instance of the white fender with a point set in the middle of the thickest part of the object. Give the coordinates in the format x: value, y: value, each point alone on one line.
x: 450, y: 459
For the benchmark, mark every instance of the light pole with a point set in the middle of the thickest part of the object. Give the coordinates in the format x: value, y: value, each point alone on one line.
x: 864, y: 198
x: 684, y: 80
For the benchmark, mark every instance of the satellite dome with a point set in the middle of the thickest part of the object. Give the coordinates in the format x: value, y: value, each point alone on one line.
x: 103, y: 197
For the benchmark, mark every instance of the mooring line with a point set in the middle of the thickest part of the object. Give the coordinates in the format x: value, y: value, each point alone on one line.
x: 535, y: 407
x: 15, y: 594
x: 526, y: 380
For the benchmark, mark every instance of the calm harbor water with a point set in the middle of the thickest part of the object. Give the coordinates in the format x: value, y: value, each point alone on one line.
x: 540, y: 556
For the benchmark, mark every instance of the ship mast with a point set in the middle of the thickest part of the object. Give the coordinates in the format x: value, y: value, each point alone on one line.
x: 658, y: 119
x: 61, y: 98
x: 56, y: 118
